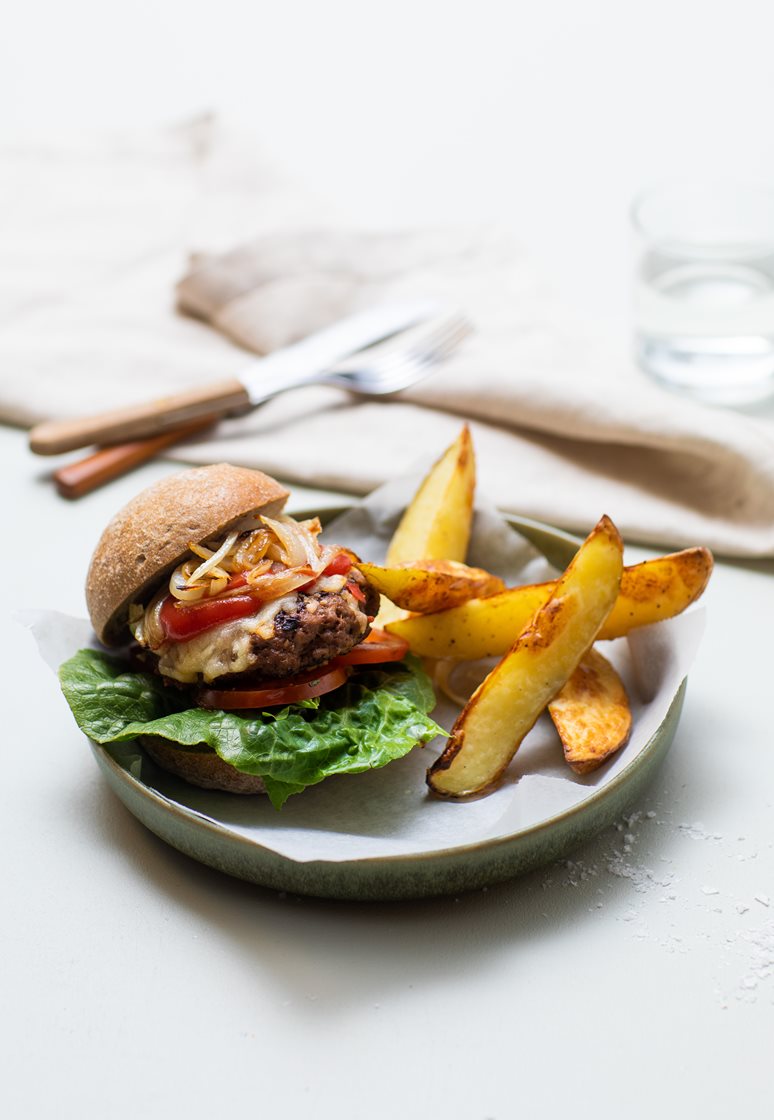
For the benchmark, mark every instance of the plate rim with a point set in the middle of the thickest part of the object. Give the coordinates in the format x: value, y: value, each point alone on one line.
x: 193, y: 816
x: 561, y: 544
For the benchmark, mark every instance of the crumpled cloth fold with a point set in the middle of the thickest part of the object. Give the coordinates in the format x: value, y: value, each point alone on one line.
x: 565, y: 428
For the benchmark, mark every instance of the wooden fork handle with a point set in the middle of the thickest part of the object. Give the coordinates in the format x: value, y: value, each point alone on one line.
x: 149, y: 419
x: 79, y: 478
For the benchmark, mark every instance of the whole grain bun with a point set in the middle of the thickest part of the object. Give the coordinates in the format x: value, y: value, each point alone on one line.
x: 150, y: 535
x: 200, y: 767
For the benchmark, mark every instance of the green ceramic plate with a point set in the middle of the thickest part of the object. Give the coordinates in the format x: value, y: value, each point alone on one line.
x: 379, y: 818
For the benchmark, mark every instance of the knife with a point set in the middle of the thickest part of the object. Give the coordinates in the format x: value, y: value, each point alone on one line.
x: 260, y: 379
x: 74, y: 480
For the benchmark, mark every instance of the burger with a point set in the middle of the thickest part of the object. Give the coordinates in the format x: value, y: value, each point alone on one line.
x: 245, y: 659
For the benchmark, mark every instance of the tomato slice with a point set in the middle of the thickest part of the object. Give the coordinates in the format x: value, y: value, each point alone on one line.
x: 355, y: 590
x: 339, y: 565
x: 378, y: 647
x: 185, y: 620
x: 239, y: 580
x: 303, y: 686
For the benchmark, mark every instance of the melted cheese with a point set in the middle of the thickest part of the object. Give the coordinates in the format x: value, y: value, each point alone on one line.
x: 223, y: 649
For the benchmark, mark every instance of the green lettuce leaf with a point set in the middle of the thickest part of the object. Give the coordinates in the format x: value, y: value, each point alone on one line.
x: 378, y: 716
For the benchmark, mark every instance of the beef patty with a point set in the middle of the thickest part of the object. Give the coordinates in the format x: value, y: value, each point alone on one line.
x: 314, y: 630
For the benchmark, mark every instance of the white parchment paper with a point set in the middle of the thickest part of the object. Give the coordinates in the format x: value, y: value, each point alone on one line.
x: 389, y: 811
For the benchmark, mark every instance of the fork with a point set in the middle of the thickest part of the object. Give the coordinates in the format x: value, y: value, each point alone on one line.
x: 381, y: 370
x: 400, y: 362
x: 384, y: 368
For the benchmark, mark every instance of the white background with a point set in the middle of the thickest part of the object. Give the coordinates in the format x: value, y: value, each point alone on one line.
x: 545, y: 116
x: 140, y: 984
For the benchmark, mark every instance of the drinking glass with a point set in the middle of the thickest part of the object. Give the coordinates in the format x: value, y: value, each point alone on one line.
x: 704, y: 289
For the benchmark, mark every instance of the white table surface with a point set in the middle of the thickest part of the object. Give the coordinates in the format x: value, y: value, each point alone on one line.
x: 138, y: 983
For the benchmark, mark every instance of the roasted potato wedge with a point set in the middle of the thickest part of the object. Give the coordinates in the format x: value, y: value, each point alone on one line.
x: 658, y: 589
x: 478, y: 628
x: 651, y: 591
x: 437, y: 521
x: 431, y: 585
x: 436, y: 524
x: 545, y: 654
x: 591, y: 713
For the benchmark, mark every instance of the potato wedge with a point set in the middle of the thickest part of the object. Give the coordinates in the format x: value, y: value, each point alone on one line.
x: 478, y: 628
x: 546, y: 653
x: 651, y: 591
x: 436, y: 524
x: 658, y: 589
x: 431, y: 585
x: 591, y: 713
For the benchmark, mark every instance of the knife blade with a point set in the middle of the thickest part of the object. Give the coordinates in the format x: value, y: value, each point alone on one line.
x: 259, y: 379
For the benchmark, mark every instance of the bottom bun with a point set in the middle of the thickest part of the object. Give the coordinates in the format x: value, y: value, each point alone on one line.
x: 201, y: 768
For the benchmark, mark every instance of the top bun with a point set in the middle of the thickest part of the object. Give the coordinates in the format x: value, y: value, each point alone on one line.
x: 150, y: 535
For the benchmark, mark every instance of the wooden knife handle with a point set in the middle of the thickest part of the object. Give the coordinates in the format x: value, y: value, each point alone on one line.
x: 149, y: 419
x: 76, y: 479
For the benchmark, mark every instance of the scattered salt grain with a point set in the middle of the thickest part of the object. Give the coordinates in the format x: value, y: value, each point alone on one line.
x: 763, y: 899
x: 695, y: 831
x: 710, y: 890
x: 758, y: 946
x: 744, y: 856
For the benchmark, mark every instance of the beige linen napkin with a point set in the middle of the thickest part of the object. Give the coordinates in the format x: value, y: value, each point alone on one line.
x: 565, y: 430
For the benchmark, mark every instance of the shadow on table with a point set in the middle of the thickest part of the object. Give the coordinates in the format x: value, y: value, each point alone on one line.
x: 331, y: 955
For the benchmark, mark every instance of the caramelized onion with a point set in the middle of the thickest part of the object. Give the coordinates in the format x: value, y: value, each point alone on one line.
x: 250, y: 550
x: 298, y: 543
x: 153, y: 631
x: 190, y: 583
x: 460, y: 679
x: 186, y: 592
x: 272, y: 585
x: 214, y: 559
